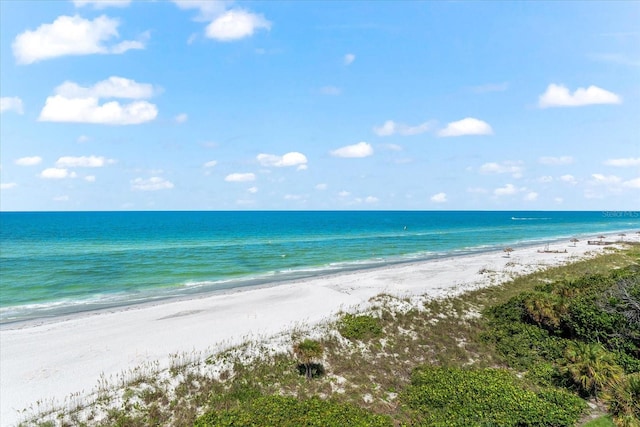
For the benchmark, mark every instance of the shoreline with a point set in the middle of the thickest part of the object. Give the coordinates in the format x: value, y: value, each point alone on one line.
x: 55, y: 359
x: 258, y: 283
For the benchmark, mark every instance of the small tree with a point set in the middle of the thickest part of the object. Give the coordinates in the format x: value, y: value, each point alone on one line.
x: 306, y: 351
x: 591, y: 367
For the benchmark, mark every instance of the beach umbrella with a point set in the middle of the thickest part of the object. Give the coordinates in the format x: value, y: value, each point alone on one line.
x: 621, y: 236
x: 508, y: 251
x: 601, y: 237
x: 574, y: 241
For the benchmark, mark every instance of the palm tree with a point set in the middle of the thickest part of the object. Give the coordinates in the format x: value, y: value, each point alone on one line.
x: 544, y: 309
x: 574, y: 241
x: 623, y: 400
x: 307, y: 351
x: 591, y: 367
x: 508, y: 252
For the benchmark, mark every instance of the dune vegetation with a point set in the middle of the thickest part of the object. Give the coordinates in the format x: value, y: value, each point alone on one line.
x: 559, y: 347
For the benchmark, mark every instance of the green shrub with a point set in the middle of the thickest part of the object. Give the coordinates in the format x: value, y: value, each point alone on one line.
x: 465, y: 397
x: 360, y: 327
x: 280, y: 411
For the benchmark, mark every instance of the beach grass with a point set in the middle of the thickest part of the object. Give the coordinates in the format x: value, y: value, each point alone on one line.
x: 368, y: 360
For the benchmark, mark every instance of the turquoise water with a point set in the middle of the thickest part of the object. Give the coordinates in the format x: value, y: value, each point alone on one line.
x: 59, y: 263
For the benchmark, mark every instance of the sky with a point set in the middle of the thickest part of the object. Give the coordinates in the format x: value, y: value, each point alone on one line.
x: 319, y: 105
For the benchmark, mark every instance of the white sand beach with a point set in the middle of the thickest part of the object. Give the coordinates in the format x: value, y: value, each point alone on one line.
x: 53, y: 359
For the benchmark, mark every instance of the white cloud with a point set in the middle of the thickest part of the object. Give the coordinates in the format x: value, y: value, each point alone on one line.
x: 11, y: 103
x: 113, y: 87
x: 56, y: 173
x: 210, y: 164
x: 531, y: 196
x: 101, y: 4
x: 361, y: 149
x: 293, y: 197
x: 390, y: 128
x: 90, y: 178
x: 154, y: 183
x: 439, y: 198
x: 393, y: 147
x: 290, y: 159
x: 344, y: 193
x: 83, y: 162
x: 623, y: 163
x: 371, y: 199
x: 240, y: 177
x: 61, y: 199
x: 349, y: 58
x: 236, y: 24
x: 330, y: 90
x: 545, y: 179
x: 8, y: 185
x: 559, y: 96
x: 321, y: 187
x: 29, y: 161
x: 558, y: 200
x: 632, y: 183
x: 507, y: 190
x: 208, y: 9
x: 477, y: 190
x: 71, y: 35
x: 83, y: 138
x: 87, y: 110
x: 252, y: 190
x: 599, y: 178
x: 515, y: 168
x: 181, y: 118
x: 467, y: 126
x: 556, y: 161
x: 570, y: 179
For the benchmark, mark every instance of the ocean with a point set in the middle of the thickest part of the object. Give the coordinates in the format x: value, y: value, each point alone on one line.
x: 58, y: 263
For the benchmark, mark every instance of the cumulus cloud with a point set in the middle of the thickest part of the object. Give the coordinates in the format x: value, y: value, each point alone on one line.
x: 371, y: 199
x: 72, y: 35
x: 556, y: 161
x: 210, y: 164
x: 181, y: 118
x: 570, y: 179
x: 57, y: 173
x: 390, y: 128
x: 252, y: 190
x: 632, y: 183
x: 113, y: 87
x: 8, y: 185
x: 466, y: 126
x: 599, y: 178
x: 507, y: 190
x: 102, y: 4
x: 321, y: 187
x: 240, y: 177
x: 83, y: 162
x: 361, y: 149
x: 439, y: 198
x: 64, y: 198
x: 90, y: 178
x: 515, y: 168
x: 11, y: 103
x: 83, y: 138
x: 344, y: 193
x: 29, y: 161
x: 531, y: 196
x: 207, y: 9
x: 623, y: 163
x: 154, y: 183
x: 289, y: 159
x: 349, y: 58
x: 75, y: 104
x: 559, y: 96
x: 236, y: 24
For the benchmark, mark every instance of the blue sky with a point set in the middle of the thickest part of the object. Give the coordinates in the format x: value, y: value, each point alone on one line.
x: 223, y: 105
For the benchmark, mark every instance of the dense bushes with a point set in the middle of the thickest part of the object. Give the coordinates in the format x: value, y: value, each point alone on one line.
x: 359, y: 327
x: 465, y: 397
x: 280, y: 411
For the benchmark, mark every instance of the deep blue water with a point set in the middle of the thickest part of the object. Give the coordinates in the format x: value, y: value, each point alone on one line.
x: 58, y: 263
